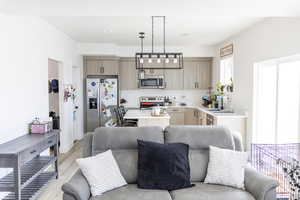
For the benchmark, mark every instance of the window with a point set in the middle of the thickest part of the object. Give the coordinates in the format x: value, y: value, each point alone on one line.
x: 277, y: 101
x: 226, y: 70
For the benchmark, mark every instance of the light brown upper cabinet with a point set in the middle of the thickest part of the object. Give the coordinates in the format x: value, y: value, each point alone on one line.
x: 97, y: 65
x: 190, y: 74
x: 174, y: 79
x: 197, y: 73
x: 128, y: 74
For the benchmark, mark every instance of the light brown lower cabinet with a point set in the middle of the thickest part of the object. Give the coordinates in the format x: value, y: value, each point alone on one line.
x: 191, y: 116
x: 177, y: 116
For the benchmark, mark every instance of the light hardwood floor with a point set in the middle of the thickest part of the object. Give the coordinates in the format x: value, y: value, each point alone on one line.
x: 67, y: 168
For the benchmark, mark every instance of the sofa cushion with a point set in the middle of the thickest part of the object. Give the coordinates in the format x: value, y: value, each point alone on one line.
x: 163, y: 166
x: 123, y: 143
x: 124, y: 137
x: 102, y: 172
x: 198, y: 164
x: 132, y: 192
x: 203, y: 191
x: 199, y: 138
x: 226, y: 167
x: 127, y: 161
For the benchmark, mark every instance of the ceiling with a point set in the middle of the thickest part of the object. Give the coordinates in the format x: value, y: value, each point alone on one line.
x: 124, y: 30
x: 197, y: 22
x: 262, y: 8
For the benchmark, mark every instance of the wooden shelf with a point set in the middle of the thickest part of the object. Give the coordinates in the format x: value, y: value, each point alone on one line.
x: 29, y: 171
x: 32, y: 190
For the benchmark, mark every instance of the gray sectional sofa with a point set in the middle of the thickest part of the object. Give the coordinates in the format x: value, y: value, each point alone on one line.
x: 123, y: 143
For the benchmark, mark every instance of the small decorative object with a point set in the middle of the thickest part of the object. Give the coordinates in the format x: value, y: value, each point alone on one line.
x: 69, y: 92
x: 123, y: 101
x: 36, y: 126
x: 220, y: 89
x: 229, y: 87
x: 226, y: 51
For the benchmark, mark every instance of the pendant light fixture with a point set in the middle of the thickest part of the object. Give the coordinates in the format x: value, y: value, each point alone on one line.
x: 164, y: 60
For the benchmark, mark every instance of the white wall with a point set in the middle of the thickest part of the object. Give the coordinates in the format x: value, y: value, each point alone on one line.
x: 129, y: 51
x: 26, y: 45
x: 272, y: 38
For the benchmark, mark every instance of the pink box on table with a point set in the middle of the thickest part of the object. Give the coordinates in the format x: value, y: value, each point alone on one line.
x: 43, y: 127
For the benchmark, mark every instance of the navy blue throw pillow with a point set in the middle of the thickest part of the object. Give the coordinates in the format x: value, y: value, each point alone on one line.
x: 163, y: 166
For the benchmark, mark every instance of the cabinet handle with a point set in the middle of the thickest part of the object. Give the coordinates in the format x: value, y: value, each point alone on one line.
x: 101, y: 70
x: 195, y: 84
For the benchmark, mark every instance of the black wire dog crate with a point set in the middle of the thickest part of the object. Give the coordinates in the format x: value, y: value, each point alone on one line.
x: 280, y: 161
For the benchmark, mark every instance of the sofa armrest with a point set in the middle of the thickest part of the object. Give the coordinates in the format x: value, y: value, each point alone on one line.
x: 262, y: 187
x: 77, y: 187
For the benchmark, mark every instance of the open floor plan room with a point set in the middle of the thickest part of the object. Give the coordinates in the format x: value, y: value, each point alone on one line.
x: 156, y: 100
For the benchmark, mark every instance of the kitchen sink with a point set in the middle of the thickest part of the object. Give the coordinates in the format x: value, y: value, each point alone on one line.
x: 216, y: 110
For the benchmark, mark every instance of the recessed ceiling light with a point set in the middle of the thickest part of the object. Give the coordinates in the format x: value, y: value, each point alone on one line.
x: 184, y: 34
x: 107, y: 31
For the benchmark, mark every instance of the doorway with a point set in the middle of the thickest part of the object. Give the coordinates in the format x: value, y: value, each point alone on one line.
x: 53, y: 92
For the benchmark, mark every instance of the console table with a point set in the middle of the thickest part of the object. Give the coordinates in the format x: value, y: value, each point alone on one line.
x: 29, y: 167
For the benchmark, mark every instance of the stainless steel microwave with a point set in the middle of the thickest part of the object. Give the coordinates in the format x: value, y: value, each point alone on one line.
x: 152, y: 82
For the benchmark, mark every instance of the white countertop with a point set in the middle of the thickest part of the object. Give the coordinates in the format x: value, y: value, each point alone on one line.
x: 142, y: 114
x: 217, y: 115
x: 201, y: 108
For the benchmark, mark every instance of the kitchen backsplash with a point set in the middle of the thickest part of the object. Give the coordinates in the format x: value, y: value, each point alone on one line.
x: 190, y: 97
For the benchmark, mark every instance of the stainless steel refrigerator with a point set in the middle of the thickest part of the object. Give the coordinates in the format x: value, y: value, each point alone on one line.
x: 102, y: 93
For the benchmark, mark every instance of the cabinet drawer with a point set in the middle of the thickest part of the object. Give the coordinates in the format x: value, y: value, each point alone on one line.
x: 50, y: 142
x: 30, y: 153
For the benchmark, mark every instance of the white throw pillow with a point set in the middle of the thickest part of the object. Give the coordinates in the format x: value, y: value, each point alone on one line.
x: 226, y: 167
x: 102, y: 172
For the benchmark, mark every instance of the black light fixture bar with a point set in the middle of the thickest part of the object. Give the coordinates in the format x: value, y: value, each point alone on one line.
x: 140, y: 58
x: 140, y: 65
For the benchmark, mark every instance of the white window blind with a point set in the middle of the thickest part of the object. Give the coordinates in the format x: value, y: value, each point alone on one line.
x: 277, y: 102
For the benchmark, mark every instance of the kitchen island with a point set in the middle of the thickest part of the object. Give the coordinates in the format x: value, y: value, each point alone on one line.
x: 145, y: 118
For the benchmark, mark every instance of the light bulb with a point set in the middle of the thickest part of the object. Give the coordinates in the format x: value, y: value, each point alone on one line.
x: 141, y: 60
x: 150, y: 60
x: 167, y: 60
x: 175, y: 60
x: 158, y: 60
